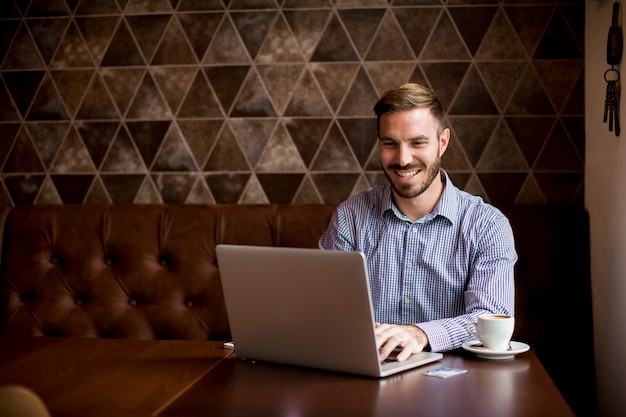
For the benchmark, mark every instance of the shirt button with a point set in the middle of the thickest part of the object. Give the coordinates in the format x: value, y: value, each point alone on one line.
x: 409, y: 264
x: 407, y: 301
x: 414, y: 230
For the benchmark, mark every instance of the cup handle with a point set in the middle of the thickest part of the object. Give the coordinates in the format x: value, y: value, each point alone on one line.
x: 471, y: 328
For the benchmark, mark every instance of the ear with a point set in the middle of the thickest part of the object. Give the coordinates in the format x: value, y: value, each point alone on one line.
x: 444, y: 140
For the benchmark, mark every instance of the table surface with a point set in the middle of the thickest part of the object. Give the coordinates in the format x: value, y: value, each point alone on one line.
x: 112, y: 377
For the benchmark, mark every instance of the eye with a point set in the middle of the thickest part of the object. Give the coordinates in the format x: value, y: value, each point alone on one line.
x: 389, y: 144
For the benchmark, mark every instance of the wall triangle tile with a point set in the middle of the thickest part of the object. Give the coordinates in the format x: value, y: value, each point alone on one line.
x: 252, y: 4
x: 253, y: 100
x: 226, y: 82
x: 122, y: 50
x: 97, y: 7
x: 445, y: 79
x: 280, y: 81
x: 72, y: 157
x: 280, y: 188
x: 122, y: 156
x: 460, y: 179
x: 574, y: 16
x: 97, y: 137
x: 174, y: 154
x: 559, y: 153
x: 558, y: 42
x: 174, y: 188
x: 334, y: 80
x: 473, y: 97
x: 334, y: 188
x: 500, y: 41
x: 307, y: 134
x: 576, y: 102
x: 335, y: 154
x: 8, y: 134
x: 361, y: 136
x: 253, y: 193
x: 385, y: 77
x: 200, y: 136
x: 502, y: 188
x: 97, y: 194
x: 200, y: 193
x: 373, y: 163
x: 280, y: 45
x: 72, y: 85
x: 174, y: 82
x: 148, y: 193
x: 148, y: 31
x: 47, y: 104
x: 200, y: 29
x: 473, y: 186
x: 307, y: 27
x: 417, y: 23
x: 47, y: 8
x: 122, y: 188
x: 280, y: 154
x: 376, y: 178
x: 445, y: 42
x: 200, y: 101
x: 360, y: 185
x: 47, y: 34
x: 47, y: 138
x: 148, y: 137
x: 72, y: 51
x: 19, y: 57
x: 307, y: 99
x: 97, y: 32
x: 500, y: 78
x: 253, y: 28
x: 530, y: 133
x: 148, y: 103
x: 253, y: 136
x: 48, y: 193
x: 530, y: 193
x: 530, y: 97
x: 473, y: 133
x: 23, y: 156
x: 122, y: 83
x: 390, y: 43
x: 226, y: 47
x: 307, y: 194
x: 360, y: 98
x: 362, y: 24
x: 529, y: 23
x: 226, y: 155
x: 72, y: 188
x: 10, y: 10
x: 23, y: 189
x: 227, y: 188
x: 558, y: 78
x: 22, y: 86
x: 152, y: 6
x: 501, y: 153
x: 97, y: 103
x: 575, y: 128
x: 174, y: 48
x: 334, y: 44
x: 560, y: 188
x: 8, y: 112
x: 472, y: 23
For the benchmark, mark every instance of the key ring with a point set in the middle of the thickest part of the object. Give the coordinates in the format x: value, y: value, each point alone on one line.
x: 609, y: 71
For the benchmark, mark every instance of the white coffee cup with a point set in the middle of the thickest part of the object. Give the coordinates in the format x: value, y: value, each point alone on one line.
x: 493, y: 330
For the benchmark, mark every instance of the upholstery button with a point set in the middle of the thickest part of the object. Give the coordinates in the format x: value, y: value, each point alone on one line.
x: 189, y: 303
x: 108, y: 260
x: 163, y: 262
x: 54, y: 260
x: 132, y: 302
x: 78, y: 301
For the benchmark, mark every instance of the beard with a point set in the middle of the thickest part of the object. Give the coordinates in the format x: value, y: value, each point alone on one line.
x: 413, y: 190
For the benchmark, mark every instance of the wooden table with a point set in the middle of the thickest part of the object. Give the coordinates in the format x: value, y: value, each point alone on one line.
x: 183, y: 378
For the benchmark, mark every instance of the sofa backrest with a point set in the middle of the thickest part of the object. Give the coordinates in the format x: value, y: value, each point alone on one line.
x: 133, y: 271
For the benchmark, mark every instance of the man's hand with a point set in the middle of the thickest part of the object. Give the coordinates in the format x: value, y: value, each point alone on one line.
x: 409, y: 337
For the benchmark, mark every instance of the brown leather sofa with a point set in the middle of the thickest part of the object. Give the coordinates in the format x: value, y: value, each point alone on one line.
x: 150, y: 271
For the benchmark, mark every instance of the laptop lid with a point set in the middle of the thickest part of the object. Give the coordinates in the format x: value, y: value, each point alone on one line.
x: 304, y: 307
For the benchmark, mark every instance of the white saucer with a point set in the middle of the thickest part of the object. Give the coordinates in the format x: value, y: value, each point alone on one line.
x: 475, y: 346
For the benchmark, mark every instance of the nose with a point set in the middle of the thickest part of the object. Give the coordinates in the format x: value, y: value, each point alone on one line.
x: 404, y: 155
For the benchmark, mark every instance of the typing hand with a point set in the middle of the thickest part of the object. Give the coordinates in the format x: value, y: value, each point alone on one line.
x: 410, y: 338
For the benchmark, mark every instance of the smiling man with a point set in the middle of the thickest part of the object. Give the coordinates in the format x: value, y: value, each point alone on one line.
x: 437, y: 256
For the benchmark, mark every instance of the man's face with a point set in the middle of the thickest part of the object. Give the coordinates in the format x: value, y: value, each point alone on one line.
x: 410, y: 151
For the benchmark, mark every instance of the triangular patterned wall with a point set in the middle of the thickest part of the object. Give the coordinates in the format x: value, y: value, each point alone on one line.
x: 258, y: 101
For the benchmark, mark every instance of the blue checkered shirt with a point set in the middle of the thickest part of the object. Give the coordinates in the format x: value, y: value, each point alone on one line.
x: 439, y: 272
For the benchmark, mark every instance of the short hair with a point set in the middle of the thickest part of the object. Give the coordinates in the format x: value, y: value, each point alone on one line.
x: 410, y: 96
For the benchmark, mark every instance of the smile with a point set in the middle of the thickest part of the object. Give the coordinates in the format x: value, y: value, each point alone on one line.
x: 407, y: 174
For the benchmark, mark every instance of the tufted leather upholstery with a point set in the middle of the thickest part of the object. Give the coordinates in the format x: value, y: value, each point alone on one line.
x: 133, y: 271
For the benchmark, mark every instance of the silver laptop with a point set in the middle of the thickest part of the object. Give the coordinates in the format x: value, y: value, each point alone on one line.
x: 304, y: 307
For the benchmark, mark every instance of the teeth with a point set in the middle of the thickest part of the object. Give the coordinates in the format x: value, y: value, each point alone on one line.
x: 406, y: 174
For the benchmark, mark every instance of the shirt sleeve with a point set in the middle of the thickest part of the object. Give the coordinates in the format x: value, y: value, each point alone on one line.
x: 490, y: 287
x: 338, y: 235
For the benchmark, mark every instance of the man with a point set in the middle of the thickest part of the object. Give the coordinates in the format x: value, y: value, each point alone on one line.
x: 437, y: 256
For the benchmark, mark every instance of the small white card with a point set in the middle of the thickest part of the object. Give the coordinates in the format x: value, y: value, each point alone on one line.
x: 444, y: 372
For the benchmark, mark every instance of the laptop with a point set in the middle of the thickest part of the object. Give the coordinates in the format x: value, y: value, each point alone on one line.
x: 304, y: 307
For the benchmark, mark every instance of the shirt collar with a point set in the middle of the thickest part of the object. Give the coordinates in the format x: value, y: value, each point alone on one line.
x: 446, y: 207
